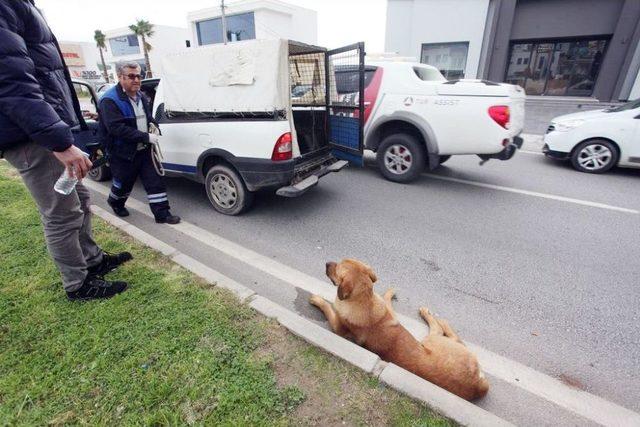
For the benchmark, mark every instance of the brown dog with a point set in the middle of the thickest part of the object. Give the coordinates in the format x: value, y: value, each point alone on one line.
x: 369, y: 319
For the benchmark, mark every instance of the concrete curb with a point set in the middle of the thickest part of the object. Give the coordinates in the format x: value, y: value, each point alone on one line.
x: 440, y: 400
x: 317, y: 335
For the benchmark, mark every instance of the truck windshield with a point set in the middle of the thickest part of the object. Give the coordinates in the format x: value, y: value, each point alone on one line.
x: 348, y: 81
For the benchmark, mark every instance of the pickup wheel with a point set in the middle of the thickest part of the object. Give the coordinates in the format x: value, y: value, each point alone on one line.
x: 226, y: 190
x: 401, y: 157
x: 101, y: 173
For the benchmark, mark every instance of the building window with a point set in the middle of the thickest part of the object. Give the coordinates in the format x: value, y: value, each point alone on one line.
x: 560, y: 68
x: 124, y: 45
x: 450, y: 58
x: 239, y: 27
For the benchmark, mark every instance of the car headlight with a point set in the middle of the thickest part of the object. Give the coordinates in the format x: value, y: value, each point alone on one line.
x: 568, y: 125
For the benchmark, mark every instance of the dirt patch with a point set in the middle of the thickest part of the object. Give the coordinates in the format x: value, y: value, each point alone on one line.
x: 572, y: 382
x: 337, y: 394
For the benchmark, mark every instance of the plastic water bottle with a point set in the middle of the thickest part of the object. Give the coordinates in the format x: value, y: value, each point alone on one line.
x: 65, y: 184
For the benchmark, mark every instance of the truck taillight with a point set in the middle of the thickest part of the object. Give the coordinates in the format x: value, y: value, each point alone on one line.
x: 501, y: 115
x: 283, y: 150
x: 371, y: 92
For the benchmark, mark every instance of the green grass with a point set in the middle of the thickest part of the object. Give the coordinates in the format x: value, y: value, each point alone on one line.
x: 170, y: 350
x: 163, y: 352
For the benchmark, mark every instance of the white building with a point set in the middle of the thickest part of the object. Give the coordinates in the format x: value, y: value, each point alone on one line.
x: 82, y: 59
x: 254, y: 19
x: 446, y: 34
x: 572, y: 49
x: 123, y: 45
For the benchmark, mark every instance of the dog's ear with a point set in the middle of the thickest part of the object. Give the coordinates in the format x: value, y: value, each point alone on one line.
x: 345, y: 288
x: 372, y: 274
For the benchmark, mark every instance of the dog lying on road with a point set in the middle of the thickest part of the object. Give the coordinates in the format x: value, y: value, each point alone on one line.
x: 362, y: 315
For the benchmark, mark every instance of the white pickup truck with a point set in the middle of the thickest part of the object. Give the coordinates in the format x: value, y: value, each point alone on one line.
x: 256, y: 115
x: 415, y: 118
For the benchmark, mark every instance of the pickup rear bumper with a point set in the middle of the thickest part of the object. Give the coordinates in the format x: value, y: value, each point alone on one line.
x: 286, y: 177
x: 301, y: 187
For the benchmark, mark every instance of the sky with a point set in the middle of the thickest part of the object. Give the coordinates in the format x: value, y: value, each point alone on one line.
x: 340, y: 22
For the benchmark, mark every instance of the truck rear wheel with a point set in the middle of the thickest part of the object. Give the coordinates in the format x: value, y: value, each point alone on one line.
x: 400, y: 157
x: 226, y: 190
x: 101, y: 173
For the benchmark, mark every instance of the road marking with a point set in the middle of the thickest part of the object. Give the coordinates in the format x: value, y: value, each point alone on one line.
x: 579, y: 402
x: 535, y: 194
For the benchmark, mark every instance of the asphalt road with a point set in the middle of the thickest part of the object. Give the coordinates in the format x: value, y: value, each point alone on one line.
x: 548, y: 277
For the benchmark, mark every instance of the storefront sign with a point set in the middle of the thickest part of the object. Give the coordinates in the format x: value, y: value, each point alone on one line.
x: 72, y: 54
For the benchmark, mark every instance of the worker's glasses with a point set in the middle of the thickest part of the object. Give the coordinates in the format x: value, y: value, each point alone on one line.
x: 134, y: 76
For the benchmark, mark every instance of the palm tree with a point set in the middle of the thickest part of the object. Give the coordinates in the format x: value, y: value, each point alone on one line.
x: 100, y: 38
x: 144, y: 29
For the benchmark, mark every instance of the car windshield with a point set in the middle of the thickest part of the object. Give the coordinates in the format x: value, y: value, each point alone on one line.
x: 631, y: 105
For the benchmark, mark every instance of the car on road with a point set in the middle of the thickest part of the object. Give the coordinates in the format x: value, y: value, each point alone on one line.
x: 415, y: 118
x: 595, y: 141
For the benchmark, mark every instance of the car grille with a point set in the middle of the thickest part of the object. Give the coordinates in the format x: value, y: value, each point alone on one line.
x: 551, y: 128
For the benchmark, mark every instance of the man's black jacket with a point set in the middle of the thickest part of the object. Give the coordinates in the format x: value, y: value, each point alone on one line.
x: 37, y: 100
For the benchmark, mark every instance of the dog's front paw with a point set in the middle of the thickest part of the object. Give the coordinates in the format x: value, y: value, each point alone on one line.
x: 317, y: 300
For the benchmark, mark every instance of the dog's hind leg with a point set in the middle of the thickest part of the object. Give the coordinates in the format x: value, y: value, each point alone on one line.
x: 434, y: 326
x: 448, y: 330
x: 387, y: 297
x: 330, y: 314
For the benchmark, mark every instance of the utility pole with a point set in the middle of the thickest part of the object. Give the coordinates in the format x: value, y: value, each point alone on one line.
x: 224, y: 23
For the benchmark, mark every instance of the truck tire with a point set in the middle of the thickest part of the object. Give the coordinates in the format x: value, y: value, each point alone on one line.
x: 226, y: 190
x: 101, y: 173
x: 400, y: 157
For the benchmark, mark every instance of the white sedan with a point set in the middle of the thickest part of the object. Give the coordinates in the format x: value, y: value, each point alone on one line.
x: 596, y: 141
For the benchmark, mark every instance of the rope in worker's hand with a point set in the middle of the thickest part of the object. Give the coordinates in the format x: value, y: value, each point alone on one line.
x: 156, y: 152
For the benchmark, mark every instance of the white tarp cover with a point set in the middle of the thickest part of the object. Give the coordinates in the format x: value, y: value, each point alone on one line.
x: 246, y: 76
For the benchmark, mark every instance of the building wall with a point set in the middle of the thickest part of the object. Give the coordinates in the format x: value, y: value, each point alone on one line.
x: 549, y: 19
x: 536, y: 19
x: 304, y: 26
x: 410, y: 23
x: 398, y: 33
x: 272, y: 24
x: 273, y: 19
x: 165, y: 40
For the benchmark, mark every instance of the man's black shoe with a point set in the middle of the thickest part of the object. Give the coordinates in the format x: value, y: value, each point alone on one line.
x: 109, y: 263
x: 119, y: 210
x: 169, y: 219
x: 96, y: 288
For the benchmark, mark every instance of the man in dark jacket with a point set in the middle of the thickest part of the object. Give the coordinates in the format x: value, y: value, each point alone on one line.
x: 125, y: 117
x: 38, y: 107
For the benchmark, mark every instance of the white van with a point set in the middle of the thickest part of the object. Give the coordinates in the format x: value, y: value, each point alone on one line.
x: 256, y: 115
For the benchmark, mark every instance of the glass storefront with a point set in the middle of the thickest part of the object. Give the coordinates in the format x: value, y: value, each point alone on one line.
x: 449, y: 58
x: 556, y: 68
